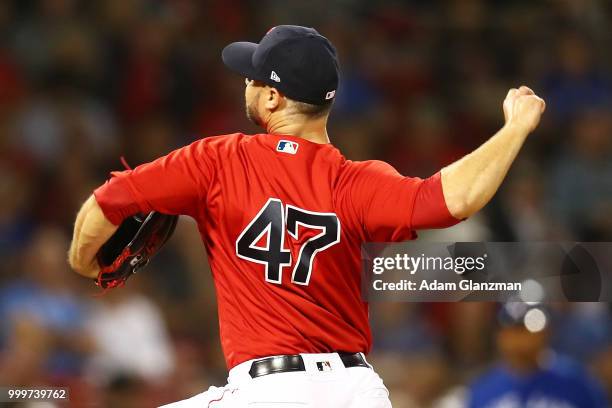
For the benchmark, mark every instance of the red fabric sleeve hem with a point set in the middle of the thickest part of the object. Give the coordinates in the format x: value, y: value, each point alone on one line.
x: 115, y: 200
x: 430, y: 209
x: 114, y: 218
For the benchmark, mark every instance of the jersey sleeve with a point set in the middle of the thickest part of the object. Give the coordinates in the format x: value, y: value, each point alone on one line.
x: 173, y: 184
x: 390, y: 207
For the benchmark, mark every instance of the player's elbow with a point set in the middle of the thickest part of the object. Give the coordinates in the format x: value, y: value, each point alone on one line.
x: 461, y: 208
x: 463, y: 201
x: 457, y: 197
x: 467, y: 205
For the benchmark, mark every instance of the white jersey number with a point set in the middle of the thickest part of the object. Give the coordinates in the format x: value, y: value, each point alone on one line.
x: 272, y: 220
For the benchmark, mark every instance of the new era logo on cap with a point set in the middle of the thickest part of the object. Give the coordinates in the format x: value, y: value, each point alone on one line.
x: 286, y: 146
x: 274, y: 77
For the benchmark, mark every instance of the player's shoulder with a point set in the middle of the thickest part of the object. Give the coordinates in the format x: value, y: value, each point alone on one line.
x: 366, y: 168
x: 361, y: 175
x: 220, y: 145
x: 226, y: 141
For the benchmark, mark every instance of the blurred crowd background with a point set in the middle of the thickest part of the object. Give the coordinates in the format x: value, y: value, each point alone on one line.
x: 84, y: 82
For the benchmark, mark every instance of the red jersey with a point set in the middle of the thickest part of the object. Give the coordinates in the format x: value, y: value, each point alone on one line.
x: 283, y: 220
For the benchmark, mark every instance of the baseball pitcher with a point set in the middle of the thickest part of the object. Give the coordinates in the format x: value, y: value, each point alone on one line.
x: 282, y: 215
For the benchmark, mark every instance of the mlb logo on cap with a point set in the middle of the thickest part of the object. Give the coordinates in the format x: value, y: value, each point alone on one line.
x: 286, y: 146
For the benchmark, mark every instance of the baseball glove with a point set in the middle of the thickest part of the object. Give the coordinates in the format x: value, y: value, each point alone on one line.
x: 131, y: 247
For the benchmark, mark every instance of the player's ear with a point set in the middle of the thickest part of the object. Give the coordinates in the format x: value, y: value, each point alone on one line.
x: 273, y: 99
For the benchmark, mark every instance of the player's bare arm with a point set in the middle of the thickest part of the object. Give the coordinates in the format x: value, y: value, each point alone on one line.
x: 91, y: 231
x: 470, y: 182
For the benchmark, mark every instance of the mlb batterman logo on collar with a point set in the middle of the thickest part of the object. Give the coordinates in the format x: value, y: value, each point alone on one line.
x: 286, y: 146
x: 298, y: 61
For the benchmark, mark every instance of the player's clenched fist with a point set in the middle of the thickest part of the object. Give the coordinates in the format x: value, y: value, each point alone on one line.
x: 522, y: 107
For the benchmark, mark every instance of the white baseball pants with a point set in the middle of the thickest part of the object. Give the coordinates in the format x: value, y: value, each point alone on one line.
x: 334, y: 387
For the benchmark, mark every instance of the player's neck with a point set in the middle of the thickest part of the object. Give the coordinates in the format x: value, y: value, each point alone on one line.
x: 314, y: 130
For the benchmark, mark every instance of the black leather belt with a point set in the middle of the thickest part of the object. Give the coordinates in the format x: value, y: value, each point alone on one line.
x: 288, y: 363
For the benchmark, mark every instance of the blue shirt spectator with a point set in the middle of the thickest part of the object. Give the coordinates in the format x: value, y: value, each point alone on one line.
x: 562, y: 384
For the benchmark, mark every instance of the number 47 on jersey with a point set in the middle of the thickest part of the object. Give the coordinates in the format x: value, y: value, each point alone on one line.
x: 273, y: 220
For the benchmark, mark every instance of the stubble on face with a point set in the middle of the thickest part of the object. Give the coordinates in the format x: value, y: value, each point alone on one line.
x: 251, y: 110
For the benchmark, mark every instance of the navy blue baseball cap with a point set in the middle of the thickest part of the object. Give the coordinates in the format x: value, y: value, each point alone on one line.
x: 298, y: 61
